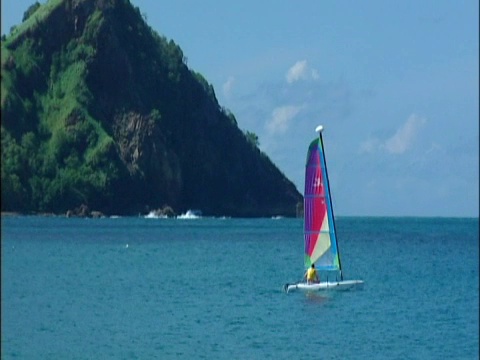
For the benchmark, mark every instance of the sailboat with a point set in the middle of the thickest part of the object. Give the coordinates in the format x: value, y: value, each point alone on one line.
x: 321, y: 246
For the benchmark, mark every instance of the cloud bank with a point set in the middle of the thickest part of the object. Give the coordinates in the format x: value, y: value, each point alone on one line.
x: 281, y: 118
x: 400, y: 142
x: 301, y: 71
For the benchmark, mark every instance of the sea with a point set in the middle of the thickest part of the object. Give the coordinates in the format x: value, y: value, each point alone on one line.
x: 212, y: 288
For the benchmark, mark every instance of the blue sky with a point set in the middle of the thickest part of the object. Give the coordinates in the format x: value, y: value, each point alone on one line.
x: 395, y: 84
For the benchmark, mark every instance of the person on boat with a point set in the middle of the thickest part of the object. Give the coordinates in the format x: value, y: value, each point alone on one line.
x: 311, y: 275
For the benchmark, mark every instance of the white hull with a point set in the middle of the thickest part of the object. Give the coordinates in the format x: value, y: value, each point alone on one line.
x: 335, y: 285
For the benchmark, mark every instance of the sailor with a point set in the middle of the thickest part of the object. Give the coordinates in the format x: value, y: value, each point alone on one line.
x: 311, y: 275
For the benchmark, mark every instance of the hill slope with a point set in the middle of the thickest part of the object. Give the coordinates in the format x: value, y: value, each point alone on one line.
x: 98, y: 109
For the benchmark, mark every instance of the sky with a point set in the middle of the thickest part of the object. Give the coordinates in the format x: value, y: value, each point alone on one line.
x: 394, y: 83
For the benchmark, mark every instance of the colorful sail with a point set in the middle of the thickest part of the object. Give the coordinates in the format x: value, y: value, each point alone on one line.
x: 319, y: 229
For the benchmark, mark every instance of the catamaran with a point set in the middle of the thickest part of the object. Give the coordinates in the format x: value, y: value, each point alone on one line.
x: 321, y: 246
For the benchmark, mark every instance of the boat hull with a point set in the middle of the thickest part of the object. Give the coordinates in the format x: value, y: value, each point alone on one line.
x: 330, y: 285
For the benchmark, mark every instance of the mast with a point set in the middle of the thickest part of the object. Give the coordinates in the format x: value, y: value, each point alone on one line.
x: 319, y: 129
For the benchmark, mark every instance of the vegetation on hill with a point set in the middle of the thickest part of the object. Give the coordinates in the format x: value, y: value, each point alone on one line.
x: 98, y: 109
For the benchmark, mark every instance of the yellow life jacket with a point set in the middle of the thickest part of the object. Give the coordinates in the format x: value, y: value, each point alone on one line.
x: 311, y: 272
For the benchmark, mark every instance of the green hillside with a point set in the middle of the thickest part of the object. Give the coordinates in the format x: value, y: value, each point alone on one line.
x: 98, y: 109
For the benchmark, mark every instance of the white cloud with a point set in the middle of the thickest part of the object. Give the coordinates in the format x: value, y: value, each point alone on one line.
x: 400, y: 142
x: 227, y: 86
x: 404, y: 137
x: 301, y: 71
x: 281, y: 117
x: 369, y: 146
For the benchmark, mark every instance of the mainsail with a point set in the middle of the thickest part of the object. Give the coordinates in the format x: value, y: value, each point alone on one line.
x: 319, y: 227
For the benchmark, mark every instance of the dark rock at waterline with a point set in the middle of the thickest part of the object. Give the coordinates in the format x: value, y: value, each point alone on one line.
x: 84, y: 211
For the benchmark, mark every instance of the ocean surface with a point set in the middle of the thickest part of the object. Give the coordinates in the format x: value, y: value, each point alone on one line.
x: 137, y: 288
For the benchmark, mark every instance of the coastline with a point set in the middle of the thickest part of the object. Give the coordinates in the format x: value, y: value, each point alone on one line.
x: 9, y: 213
x: 13, y: 213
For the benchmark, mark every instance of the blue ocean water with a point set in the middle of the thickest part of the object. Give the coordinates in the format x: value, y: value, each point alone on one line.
x: 136, y: 288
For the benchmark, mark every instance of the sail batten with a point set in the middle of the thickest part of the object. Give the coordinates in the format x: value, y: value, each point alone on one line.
x: 319, y: 228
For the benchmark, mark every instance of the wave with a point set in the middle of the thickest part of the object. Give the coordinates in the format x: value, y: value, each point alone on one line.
x: 191, y: 214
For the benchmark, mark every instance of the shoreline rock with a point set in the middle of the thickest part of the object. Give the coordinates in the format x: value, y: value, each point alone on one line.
x: 83, y: 211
